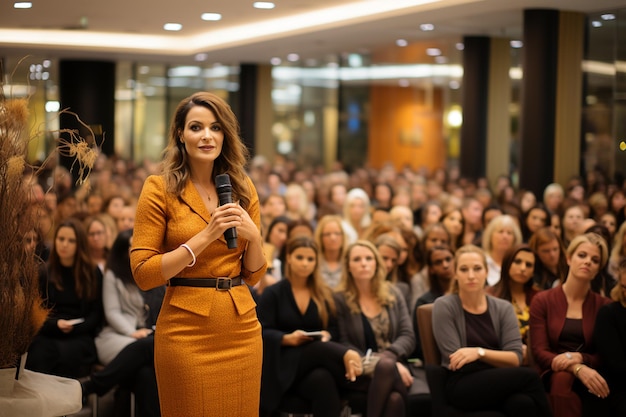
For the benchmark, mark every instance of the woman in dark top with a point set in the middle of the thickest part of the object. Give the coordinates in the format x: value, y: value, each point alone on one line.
x: 480, y: 344
x: 516, y: 286
x: 313, y: 368
x: 72, y: 291
x: 610, y: 338
x: 372, y: 316
x: 561, y: 332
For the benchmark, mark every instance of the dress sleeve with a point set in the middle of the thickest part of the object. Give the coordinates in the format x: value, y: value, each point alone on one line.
x: 252, y: 277
x: 149, y: 233
x: 539, y: 340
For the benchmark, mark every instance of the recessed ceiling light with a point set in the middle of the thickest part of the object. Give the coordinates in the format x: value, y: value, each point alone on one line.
x: 596, y: 24
x: 276, y: 61
x: 427, y: 27
x: 201, y: 57
x: 608, y: 16
x: 402, y: 42
x: 433, y: 51
x: 404, y: 83
x: 174, y: 27
x: 211, y: 17
x: 516, y: 44
x: 293, y: 57
x: 263, y: 5
x: 460, y: 46
x: 441, y: 59
x: 22, y: 5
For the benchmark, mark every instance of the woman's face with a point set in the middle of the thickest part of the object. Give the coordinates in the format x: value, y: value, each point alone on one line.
x: 97, y: 235
x: 528, y: 200
x: 390, y: 257
x: 361, y: 263
x: 115, y: 207
x: 471, y: 272
x: 618, y: 201
x: 278, y: 235
x: 548, y: 254
x: 608, y: 220
x: 65, y: 245
x: 332, y: 236
x: 536, y: 219
x: 301, y: 262
x: 433, y: 214
x: 202, y: 136
x: 453, y: 222
x: 356, y: 210
x: 436, y: 237
x: 585, y: 261
x: 502, y: 238
x: 573, y: 220
x: 442, y: 264
x: 522, y: 268
x: 382, y: 194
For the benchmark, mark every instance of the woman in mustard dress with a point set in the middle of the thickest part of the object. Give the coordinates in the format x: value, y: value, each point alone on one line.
x: 208, y: 346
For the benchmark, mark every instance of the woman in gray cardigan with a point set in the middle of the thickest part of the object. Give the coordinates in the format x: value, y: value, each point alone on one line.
x: 372, y: 317
x: 479, y: 340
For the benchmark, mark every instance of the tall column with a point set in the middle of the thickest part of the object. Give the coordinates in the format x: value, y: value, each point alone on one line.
x: 473, y: 153
x: 256, y: 109
x: 551, y: 98
x: 87, y: 88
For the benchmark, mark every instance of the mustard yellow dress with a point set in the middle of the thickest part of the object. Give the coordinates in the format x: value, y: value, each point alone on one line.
x: 208, y: 345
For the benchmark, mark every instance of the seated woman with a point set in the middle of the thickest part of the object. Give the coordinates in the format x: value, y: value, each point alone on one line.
x: 610, y: 338
x: 126, y: 344
x: 293, y: 361
x: 372, y: 316
x: 71, y: 290
x: 516, y: 287
x: 561, y: 332
x: 479, y: 340
x: 551, y: 266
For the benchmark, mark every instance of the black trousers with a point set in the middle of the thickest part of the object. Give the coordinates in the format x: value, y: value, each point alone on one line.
x: 517, y: 392
x: 133, y: 370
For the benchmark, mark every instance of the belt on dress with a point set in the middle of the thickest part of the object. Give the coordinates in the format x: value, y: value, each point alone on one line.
x: 220, y: 284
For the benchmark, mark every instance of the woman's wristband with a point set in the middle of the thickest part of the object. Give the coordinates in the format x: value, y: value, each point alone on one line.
x: 193, y: 255
x: 577, y: 369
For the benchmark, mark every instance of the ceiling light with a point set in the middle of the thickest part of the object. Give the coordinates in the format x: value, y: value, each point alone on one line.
x: 596, y: 24
x: 460, y: 46
x: 276, y: 61
x: 402, y: 43
x: 22, y: 5
x: 516, y: 44
x: 404, y: 83
x: 441, y: 59
x: 174, y: 27
x: 608, y: 16
x: 263, y: 5
x: 212, y: 17
x: 454, y: 85
x: 427, y: 27
x: 201, y: 57
x: 433, y: 51
x: 293, y: 57
x: 52, y: 106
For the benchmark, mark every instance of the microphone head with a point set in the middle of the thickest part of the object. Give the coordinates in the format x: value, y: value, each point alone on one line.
x: 221, y: 181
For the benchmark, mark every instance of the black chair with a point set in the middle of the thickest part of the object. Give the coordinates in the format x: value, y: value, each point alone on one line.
x: 436, y: 374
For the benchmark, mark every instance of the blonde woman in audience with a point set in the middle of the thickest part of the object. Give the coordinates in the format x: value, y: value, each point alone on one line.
x: 331, y: 240
x: 296, y: 202
x: 561, y: 332
x: 356, y: 214
x: 500, y: 235
x: 373, y: 317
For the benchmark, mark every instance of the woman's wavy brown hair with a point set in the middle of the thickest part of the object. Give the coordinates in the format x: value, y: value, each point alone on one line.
x: 232, y: 160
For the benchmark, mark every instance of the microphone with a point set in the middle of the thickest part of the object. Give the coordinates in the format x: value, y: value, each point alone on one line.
x: 225, y: 196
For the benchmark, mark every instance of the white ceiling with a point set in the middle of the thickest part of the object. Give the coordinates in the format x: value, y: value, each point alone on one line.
x: 86, y: 28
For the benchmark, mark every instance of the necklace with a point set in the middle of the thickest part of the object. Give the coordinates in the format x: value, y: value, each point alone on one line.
x: 200, y: 187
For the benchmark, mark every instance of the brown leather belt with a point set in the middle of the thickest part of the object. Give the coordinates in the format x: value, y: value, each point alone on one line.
x: 220, y: 284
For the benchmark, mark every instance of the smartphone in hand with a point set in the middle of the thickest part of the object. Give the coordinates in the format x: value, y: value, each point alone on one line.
x: 315, y: 335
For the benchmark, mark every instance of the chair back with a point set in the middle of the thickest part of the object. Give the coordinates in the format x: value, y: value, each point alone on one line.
x: 430, y: 349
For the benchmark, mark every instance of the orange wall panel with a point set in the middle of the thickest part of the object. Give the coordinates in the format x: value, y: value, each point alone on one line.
x: 406, y: 128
